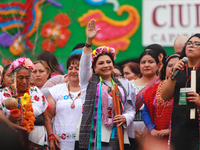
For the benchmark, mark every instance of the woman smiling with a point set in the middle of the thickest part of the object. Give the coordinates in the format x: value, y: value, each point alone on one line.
x: 66, y: 108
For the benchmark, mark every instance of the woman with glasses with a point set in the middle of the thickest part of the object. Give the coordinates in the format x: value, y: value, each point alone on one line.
x: 185, y: 131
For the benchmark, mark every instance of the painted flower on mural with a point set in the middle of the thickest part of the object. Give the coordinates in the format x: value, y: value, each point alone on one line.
x: 6, y: 61
x: 108, y: 36
x: 56, y: 34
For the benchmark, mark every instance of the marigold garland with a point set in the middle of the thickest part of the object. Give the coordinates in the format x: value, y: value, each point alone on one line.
x: 29, y: 117
x: 15, y: 113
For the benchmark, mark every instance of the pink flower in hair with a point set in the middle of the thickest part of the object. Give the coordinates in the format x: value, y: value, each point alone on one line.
x: 28, y: 64
x: 21, y: 60
x: 15, y: 64
x: 104, y: 49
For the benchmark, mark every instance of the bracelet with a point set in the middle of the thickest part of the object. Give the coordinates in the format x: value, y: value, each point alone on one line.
x: 87, y: 45
x: 51, y: 137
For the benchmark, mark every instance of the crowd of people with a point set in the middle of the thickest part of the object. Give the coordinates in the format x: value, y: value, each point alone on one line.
x: 99, y: 105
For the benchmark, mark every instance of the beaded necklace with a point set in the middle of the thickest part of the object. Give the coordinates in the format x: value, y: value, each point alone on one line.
x: 79, y: 94
x: 160, y: 101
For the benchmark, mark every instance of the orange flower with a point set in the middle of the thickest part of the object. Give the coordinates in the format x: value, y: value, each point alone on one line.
x: 15, y: 113
x: 29, y: 118
x: 56, y: 34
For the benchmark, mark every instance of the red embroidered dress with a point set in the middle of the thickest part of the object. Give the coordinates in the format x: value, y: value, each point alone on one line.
x: 159, y: 110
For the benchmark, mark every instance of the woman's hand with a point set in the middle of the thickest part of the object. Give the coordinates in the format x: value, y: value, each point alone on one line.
x: 194, y: 98
x: 137, y: 133
x: 143, y: 133
x: 91, y: 31
x: 140, y: 134
x: 65, y: 80
x: 154, y: 132
x: 119, y: 119
x: 16, y: 127
x: 53, y: 144
x: 14, y: 119
x: 179, y: 65
x: 163, y: 132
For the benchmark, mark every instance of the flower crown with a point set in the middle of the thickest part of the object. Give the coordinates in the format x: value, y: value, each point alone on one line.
x: 22, y: 62
x: 101, y: 49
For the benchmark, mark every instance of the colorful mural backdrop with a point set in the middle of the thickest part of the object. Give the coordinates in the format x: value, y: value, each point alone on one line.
x: 28, y: 27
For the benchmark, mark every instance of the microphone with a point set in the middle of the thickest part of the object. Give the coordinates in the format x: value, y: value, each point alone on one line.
x: 178, y: 71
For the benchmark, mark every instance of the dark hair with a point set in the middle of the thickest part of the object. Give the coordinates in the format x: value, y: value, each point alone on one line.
x: 120, y: 69
x: 135, y: 67
x: 163, y: 70
x: 183, y: 54
x: 80, y: 45
x: 73, y: 59
x: 151, y: 53
x: 103, y: 53
x: 158, y: 49
x: 4, y: 72
x: 51, y: 60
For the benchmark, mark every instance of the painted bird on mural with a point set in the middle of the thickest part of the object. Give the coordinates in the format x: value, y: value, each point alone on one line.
x: 18, y: 22
x: 113, y: 33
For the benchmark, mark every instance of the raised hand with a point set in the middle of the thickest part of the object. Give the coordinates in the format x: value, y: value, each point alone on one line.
x: 91, y: 31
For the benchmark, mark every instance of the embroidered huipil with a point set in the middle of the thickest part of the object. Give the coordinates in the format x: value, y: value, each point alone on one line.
x: 66, y: 119
x: 39, y: 102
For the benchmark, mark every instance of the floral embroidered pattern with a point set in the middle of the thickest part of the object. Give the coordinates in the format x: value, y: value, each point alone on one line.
x: 66, y: 136
x: 36, y: 98
x: 63, y: 136
x: 6, y: 94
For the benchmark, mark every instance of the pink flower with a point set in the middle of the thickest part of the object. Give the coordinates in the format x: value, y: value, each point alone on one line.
x: 28, y: 64
x: 16, y: 64
x: 21, y: 60
x: 63, y: 136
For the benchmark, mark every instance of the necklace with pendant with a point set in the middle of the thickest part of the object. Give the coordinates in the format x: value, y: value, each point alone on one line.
x: 73, y: 105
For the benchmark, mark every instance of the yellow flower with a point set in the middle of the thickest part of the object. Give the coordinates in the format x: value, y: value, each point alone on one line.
x: 94, y: 52
x: 25, y: 99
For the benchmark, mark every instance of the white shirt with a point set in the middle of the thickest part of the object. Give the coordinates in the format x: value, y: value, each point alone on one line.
x: 85, y: 74
x: 66, y: 118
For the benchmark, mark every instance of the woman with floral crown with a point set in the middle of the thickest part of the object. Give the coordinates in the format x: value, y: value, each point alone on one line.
x: 96, y: 92
x: 30, y: 100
